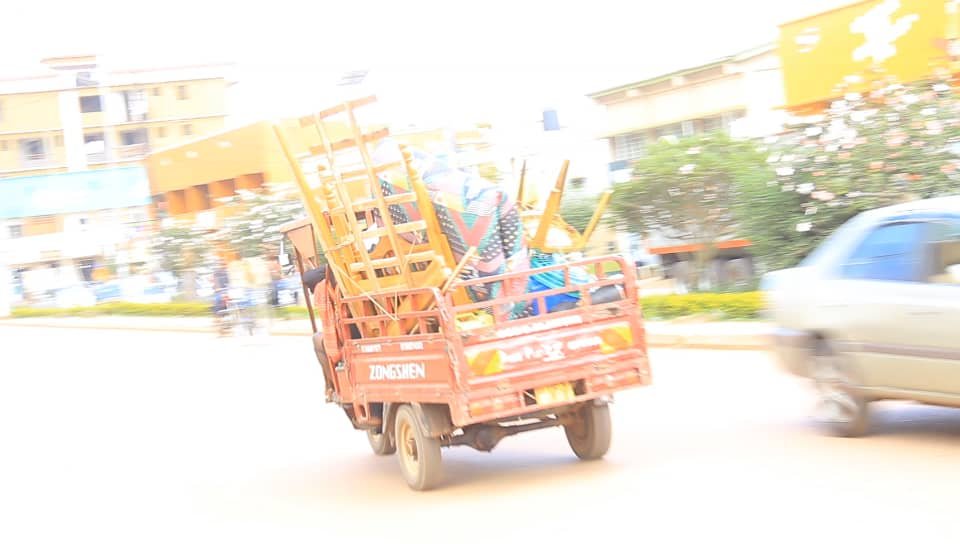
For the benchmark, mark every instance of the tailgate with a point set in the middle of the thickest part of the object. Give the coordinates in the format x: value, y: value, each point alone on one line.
x: 563, y: 346
x: 595, y: 332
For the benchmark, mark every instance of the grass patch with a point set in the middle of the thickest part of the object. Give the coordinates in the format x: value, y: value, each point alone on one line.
x: 748, y: 305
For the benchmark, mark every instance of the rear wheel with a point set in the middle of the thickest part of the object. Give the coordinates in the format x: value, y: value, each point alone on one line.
x: 589, y: 435
x: 381, y: 443
x: 418, y: 453
x: 840, y: 409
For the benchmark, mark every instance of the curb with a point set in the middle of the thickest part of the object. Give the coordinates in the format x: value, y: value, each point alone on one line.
x: 740, y: 342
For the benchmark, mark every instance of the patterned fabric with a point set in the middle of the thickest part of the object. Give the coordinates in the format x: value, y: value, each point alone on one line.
x: 472, y: 212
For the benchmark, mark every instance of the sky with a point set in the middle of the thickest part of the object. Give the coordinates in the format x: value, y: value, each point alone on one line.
x: 434, y: 61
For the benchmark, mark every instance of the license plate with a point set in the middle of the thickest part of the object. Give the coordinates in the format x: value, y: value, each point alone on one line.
x: 554, y: 393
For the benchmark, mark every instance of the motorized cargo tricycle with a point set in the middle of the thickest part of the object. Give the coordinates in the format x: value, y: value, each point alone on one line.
x: 433, y: 335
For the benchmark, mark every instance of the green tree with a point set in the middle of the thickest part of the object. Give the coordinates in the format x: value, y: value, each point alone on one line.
x: 181, y: 248
x: 252, y: 220
x: 577, y: 208
x: 895, y: 143
x: 250, y: 227
x: 684, y: 191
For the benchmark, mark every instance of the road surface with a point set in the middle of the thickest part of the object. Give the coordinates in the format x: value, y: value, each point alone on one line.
x: 133, y: 437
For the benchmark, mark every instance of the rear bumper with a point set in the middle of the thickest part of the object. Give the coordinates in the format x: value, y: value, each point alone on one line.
x: 792, y: 349
x: 591, y: 380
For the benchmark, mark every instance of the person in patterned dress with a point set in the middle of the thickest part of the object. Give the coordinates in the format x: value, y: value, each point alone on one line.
x: 473, y: 212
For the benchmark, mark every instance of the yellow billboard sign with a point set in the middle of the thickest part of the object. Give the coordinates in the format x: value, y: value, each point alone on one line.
x: 907, y: 38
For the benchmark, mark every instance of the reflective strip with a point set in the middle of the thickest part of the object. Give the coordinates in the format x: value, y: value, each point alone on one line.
x: 616, y: 338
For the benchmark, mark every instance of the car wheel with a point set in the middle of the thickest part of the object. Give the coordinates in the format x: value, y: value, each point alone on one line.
x: 840, y: 408
x: 589, y: 435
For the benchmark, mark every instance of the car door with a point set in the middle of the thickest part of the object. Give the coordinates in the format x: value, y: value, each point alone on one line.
x: 933, y: 317
x: 867, y: 302
x: 894, y: 311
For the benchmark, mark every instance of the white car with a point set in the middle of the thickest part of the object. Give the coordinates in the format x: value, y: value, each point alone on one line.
x: 874, y: 312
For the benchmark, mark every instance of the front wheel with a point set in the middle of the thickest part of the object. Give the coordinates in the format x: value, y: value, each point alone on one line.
x: 840, y: 409
x: 381, y: 443
x: 589, y: 435
x: 418, y: 453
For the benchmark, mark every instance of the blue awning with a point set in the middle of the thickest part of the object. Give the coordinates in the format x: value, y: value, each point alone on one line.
x: 72, y: 192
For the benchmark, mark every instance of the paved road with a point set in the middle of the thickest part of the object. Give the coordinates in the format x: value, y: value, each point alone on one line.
x: 156, y: 437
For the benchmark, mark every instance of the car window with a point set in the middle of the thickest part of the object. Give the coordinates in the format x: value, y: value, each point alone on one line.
x: 888, y: 253
x: 944, y: 252
x: 835, y: 246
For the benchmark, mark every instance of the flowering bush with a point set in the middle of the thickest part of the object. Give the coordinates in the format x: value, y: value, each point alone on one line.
x: 894, y: 143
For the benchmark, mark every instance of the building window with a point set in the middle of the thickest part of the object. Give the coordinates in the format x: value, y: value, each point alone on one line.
x: 95, y: 147
x: 91, y: 104
x: 669, y: 131
x: 33, y: 150
x: 134, y: 144
x: 629, y: 146
x: 156, y: 91
x: 17, y: 276
x: 729, y: 118
x: 15, y: 230
x: 136, y: 105
x: 85, y: 79
x: 182, y: 92
x: 161, y: 132
x: 133, y: 137
x: 712, y: 124
x: 188, y: 130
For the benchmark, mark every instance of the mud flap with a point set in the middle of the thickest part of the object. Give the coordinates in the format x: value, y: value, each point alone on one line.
x: 434, y: 419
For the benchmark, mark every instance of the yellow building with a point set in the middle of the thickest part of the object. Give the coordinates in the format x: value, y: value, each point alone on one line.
x: 187, y: 180
x: 845, y: 49
x: 75, y: 114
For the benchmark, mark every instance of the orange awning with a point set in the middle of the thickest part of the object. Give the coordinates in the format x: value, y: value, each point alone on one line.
x: 691, y: 248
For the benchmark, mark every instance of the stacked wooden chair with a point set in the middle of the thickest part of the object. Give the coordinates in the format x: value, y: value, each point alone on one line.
x: 369, y: 247
x: 540, y: 223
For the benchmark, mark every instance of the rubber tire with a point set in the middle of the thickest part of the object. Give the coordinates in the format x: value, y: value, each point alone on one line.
x: 590, y: 436
x: 429, y: 471
x: 381, y: 443
x: 859, y: 423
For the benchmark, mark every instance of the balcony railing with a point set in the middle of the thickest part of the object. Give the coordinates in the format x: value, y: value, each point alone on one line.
x: 34, y: 160
x: 133, y: 151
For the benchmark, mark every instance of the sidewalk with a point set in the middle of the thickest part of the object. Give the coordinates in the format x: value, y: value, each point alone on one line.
x: 750, y: 335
